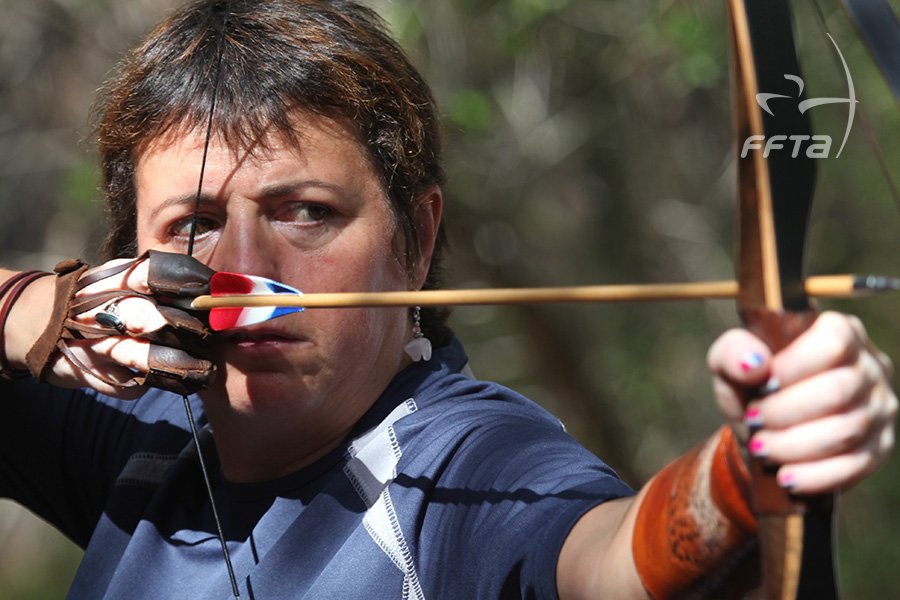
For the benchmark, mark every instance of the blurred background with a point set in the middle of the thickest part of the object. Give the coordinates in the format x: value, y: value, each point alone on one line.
x: 588, y: 141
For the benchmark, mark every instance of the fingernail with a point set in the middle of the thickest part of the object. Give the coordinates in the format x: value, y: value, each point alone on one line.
x: 751, y: 362
x: 771, y: 386
x: 787, y: 480
x: 757, y: 448
x: 753, y: 417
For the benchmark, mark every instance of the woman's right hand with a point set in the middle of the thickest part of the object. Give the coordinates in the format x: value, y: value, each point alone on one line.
x: 136, y: 344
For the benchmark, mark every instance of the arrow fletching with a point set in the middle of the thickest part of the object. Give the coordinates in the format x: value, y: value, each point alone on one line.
x: 229, y: 284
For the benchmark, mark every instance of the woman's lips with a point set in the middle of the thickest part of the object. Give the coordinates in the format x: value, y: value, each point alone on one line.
x: 259, y: 338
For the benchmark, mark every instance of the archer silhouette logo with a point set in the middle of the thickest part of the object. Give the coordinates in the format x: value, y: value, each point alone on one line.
x: 817, y: 146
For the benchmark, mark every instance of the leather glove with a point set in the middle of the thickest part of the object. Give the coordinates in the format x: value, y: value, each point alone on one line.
x: 173, y: 280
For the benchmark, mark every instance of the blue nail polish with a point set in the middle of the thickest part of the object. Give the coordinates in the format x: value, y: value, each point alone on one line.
x: 751, y: 362
x: 771, y: 386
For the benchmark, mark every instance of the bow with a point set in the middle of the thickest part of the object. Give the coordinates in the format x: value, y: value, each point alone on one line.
x: 775, y: 193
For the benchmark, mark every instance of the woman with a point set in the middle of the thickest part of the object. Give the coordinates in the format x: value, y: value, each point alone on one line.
x: 341, y: 467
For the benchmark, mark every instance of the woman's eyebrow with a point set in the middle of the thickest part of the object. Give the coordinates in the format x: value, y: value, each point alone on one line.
x: 284, y: 189
x: 277, y: 190
x: 189, y: 199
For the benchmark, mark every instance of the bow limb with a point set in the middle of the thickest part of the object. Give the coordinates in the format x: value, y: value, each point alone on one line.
x: 775, y: 193
x: 879, y: 28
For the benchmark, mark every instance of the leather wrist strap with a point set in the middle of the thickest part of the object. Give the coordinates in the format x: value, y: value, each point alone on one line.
x: 10, y: 291
x: 696, y: 525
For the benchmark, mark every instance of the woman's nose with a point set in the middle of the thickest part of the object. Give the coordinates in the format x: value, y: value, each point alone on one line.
x: 245, y: 245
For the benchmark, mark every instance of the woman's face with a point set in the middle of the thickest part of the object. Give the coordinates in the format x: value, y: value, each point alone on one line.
x: 315, y: 217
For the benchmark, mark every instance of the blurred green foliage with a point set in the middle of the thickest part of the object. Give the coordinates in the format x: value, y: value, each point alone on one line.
x: 588, y: 141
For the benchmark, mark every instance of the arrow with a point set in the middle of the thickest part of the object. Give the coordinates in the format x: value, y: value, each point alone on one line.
x: 239, y: 300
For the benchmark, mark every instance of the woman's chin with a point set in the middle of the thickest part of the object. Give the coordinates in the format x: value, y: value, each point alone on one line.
x: 246, y: 392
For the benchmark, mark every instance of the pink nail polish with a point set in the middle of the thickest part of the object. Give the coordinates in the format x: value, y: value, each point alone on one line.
x: 751, y: 361
x: 753, y: 417
x: 787, y: 480
x: 756, y: 447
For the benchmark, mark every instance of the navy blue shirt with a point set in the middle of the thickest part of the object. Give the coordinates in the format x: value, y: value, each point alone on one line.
x: 449, y: 488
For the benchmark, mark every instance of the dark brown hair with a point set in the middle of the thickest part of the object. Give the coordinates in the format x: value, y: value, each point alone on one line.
x: 332, y: 58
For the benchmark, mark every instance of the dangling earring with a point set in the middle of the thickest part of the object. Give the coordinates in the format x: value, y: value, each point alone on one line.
x: 420, y: 346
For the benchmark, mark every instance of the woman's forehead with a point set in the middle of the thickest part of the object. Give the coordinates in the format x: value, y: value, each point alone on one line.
x: 320, y: 150
x: 244, y: 140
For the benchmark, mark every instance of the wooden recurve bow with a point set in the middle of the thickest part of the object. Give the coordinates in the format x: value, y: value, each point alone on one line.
x: 775, y: 194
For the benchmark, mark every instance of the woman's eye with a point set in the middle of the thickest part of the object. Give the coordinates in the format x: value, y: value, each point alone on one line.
x: 182, y: 228
x: 308, y: 212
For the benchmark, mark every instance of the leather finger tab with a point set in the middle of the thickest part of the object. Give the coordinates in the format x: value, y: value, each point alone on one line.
x: 185, y: 322
x: 177, y: 371
x: 173, y: 275
x: 182, y: 330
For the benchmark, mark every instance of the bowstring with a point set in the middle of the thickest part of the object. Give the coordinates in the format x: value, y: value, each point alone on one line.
x: 220, y: 50
x: 209, y: 492
x: 220, y: 43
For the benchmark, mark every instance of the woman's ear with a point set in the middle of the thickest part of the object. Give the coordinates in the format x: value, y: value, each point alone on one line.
x: 427, y: 216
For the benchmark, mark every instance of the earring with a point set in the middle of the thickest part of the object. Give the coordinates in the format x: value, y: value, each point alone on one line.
x: 420, y: 346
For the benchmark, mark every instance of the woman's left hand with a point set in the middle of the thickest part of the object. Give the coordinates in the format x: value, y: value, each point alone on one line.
x: 826, y: 414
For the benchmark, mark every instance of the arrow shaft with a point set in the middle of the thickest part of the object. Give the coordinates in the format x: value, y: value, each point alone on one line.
x: 832, y: 286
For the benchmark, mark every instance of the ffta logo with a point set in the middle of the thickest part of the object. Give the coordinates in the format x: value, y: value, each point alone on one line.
x: 820, y: 145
